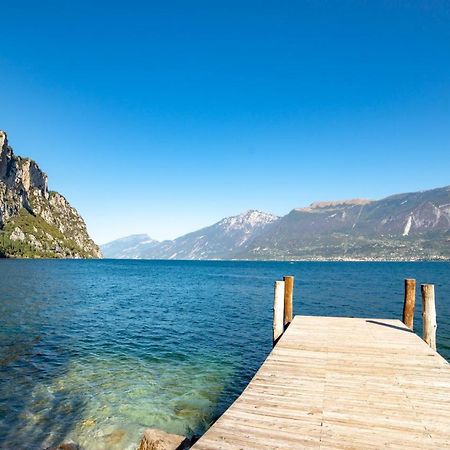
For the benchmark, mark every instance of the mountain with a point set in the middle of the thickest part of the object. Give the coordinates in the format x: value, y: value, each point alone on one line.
x: 408, y: 226
x: 36, y: 222
x: 218, y: 241
x: 404, y: 226
x: 129, y: 247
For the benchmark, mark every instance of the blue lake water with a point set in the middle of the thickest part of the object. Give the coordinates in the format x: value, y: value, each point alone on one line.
x: 97, y: 351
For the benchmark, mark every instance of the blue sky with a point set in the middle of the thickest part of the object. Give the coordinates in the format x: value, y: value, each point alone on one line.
x: 163, y: 117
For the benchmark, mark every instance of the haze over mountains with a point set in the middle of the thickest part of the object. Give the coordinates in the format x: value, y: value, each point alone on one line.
x: 129, y: 247
x: 226, y: 237
x: 400, y: 227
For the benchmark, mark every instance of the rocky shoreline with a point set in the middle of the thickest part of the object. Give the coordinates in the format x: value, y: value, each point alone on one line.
x: 152, y: 439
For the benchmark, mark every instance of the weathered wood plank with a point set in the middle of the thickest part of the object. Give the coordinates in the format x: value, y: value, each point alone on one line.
x: 409, y: 302
x: 278, y: 311
x: 341, y: 383
x: 288, y: 300
x: 429, y: 315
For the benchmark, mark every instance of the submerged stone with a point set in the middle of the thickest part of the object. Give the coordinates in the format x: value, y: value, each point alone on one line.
x: 88, y: 422
x: 65, y: 446
x: 115, y: 437
x: 155, y: 439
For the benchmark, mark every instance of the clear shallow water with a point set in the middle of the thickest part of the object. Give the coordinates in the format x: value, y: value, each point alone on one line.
x: 97, y: 351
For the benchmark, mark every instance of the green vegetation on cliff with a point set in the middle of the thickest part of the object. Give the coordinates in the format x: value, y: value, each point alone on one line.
x: 36, y: 223
x: 41, y: 240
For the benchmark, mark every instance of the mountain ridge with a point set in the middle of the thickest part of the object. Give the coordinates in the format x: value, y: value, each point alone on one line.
x: 407, y: 226
x: 215, y: 241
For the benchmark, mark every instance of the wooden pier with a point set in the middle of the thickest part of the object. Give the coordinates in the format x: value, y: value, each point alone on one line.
x: 342, y: 383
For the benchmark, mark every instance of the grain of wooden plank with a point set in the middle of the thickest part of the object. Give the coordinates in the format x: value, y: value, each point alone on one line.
x: 341, y: 383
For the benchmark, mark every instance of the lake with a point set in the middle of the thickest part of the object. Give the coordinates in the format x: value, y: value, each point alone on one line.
x: 96, y: 351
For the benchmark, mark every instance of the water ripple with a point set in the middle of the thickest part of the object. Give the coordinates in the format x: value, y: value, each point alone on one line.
x: 96, y: 351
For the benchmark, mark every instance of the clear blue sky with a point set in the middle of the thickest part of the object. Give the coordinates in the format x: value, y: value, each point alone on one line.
x: 162, y: 117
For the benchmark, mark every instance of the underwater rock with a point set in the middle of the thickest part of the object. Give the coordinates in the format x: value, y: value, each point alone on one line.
x: 88, y: 422
x: 65, y: 446
x: 115, y: 437
x: 154, y: 439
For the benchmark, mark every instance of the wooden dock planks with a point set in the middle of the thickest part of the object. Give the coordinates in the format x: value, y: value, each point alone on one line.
x: 341, y: 383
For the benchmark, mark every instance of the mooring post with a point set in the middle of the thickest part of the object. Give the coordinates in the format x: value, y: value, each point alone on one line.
x: 409, y: 303
x: 429, y: 315
x: 278, y: 311
x: 288, y: 299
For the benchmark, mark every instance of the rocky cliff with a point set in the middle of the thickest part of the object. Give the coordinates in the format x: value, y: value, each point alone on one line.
x: 35, y: 222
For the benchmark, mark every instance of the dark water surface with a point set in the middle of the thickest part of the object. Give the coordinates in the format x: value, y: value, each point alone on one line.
x: 96, y: 351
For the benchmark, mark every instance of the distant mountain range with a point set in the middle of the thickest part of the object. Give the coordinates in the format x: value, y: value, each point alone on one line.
x: 410, y: 226
x: 229, y: 236
x: 130, y: 247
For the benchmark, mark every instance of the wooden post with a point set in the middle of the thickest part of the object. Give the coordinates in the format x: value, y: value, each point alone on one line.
x: 409, y: 303
x: 278, y: 311
x: 429, y: 315
x: 288, y: 299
